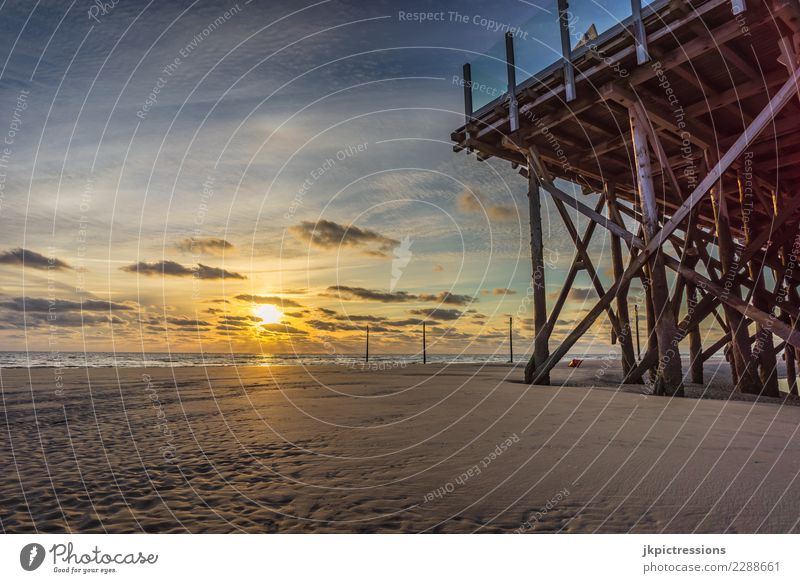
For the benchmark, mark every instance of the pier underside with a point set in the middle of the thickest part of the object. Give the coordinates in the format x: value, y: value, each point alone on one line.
x: 685, y: 119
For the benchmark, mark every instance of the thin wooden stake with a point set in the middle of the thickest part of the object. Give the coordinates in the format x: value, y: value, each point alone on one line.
x: 424, y: 348
x: 510, y: 339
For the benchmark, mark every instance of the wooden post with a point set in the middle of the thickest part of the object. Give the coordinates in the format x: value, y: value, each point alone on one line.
x: 639, y: 33
x: 510, y: 339
x: 695, y: 343
x: 623, y: 316
x: 467, y: 78
x: 741, y: 355
x: 424, y: 348
x: 513, y: 109
x: 789, y: 353
x: 540, y: 343
x: 638, y: 344
x: 669, y: 376
x: 763, y: 355
x: 366, y: 356
x: 566, y: 50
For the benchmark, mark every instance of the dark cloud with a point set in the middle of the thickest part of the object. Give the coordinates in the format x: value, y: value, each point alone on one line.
x: 332, y: 326
x: 499, y: 291
x: 329, y: 235
x: 275, y: 300
x: 203, y: 245
x: 409, y: 322
x: 360, y: 318
x: 28, y: 258
x: 230, y: 319
x: 174, y: 269
x: 327, y: 311
x: 447, y: 298
x: 348, y: 293
x: 283, y: 329
x: 186, y: 322
x: 45, y: 305
x: 437, y: 313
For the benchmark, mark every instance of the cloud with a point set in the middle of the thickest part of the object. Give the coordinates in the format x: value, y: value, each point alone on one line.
x: 175, y: 269
x: 56, y: 305
x: 275, y: 300
x: 438, y: 268
x: 498, y: 291
x: 186, y: 322
x: 447, y: 298
x: 28, y: 258
x: 346, y: 292
x: 409, y: 322
x: 437, y: 313
x: 330, y: 235
x: 283, y: 329
x: 474, y: 203
x: 581, y: 293
x: 203, y: 245
x: 332, y: 326
x: 359, y: 318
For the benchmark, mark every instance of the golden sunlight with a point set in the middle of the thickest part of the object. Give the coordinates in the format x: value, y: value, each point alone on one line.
x: 268, y: 313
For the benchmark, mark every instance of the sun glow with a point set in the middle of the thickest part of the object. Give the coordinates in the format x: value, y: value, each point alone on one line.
x: 268, y: 313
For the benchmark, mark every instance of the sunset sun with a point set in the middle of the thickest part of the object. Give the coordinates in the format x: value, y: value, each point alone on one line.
x: 268, y: 313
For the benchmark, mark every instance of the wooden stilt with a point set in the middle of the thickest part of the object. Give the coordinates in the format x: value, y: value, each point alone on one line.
x: 424, y: 347
x: 510, y: 339
x: 540, y: 344
x: 740, y: 337
x: 695, y: 343
x: 669, y: 380
x: 763, y: 354
x: 623, y: 316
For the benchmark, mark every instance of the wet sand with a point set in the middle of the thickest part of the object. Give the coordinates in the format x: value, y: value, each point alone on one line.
x: 417, y: 449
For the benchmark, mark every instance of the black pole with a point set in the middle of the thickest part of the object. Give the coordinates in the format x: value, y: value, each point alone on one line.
x: 638, y: 346
x: 366, y: 358
x: 424, y: 350
x: 510, y: 340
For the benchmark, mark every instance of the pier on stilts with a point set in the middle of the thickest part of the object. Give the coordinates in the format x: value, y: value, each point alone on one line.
x: 684, y: 119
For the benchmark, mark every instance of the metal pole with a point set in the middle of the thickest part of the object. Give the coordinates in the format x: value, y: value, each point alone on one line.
x: 366, y: 358
x: 638, y: 346
x: 424, y: 350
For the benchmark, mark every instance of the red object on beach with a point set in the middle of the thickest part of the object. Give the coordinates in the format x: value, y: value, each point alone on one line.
x: 575, y: 362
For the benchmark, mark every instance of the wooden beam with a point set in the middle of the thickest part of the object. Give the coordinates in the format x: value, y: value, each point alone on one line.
x: 540, y: 344
x: 669, y: 374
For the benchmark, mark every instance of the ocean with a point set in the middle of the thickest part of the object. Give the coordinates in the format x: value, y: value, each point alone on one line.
x: 183, y: 359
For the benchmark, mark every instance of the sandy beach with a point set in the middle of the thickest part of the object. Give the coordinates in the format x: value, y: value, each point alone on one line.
x: 417, y: 449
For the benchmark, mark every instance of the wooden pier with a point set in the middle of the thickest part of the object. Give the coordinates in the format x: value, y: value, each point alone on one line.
x: 685, y: 119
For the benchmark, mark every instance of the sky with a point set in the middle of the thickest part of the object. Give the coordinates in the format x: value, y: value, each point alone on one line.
x: 267, y: 177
